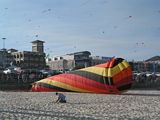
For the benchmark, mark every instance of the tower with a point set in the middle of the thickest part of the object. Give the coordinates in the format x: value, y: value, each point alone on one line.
x: 37, y: 46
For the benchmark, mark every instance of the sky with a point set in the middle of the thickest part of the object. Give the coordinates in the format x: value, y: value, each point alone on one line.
x: 129, y: 29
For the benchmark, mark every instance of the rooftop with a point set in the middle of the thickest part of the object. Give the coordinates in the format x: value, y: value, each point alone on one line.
x: 37, y: 41
x: 155, y: 58
x: 79, y: 53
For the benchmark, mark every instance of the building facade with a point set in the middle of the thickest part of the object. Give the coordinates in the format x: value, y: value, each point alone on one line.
x: 5, y: 58
x: 29, y: 60
x: 75, y: 61
x: 37, y: 46
x: 34, y: 59
x: 95, y: 60
x: 143, y: 66
x: 70, y: 61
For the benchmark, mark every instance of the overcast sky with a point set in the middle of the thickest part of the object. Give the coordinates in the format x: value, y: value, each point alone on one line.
x: 123, y: 28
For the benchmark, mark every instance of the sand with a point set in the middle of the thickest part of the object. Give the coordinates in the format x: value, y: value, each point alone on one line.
x: 135, y: 105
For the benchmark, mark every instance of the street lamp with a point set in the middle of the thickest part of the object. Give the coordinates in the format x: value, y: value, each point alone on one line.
x: 3, y: 55
x: 3, y: 42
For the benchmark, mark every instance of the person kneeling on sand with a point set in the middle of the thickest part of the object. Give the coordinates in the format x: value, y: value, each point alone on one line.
x: 61, y: 98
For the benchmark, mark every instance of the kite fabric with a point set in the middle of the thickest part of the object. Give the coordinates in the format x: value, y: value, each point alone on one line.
x: 112, y: 77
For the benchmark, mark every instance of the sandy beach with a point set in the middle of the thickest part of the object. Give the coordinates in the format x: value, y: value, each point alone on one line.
x: 134, y: 105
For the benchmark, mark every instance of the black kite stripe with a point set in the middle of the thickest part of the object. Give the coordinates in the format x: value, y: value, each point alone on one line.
x: 111, y: 63
x: 117, y: 61
x: 95, y: 77
x: 125, y: 87
x: 53, y: 87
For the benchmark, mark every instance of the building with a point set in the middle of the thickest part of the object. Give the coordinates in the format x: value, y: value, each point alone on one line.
x: 34, y: 59
x: 29, y: 60
x: 154, y: 63
x: 12, y: 50
x: 70, y: 61
x: 155, y: 59
x: 95, y: 60
x: 37, y: 46
x: 5, y: 58
x: 75, y: 60
x: 150, y: 65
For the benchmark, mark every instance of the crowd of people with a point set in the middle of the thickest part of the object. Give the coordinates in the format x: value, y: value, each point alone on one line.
x: 146, y: 80
x: 22, y: 77
x: 141, y: 80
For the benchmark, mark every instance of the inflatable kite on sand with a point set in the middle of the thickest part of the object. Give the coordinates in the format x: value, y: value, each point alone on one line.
x: 112, y: 77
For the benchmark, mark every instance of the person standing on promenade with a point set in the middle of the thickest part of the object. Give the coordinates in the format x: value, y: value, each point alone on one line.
x: 61, y: 98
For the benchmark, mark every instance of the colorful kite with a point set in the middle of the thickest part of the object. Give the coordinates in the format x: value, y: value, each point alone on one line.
x: 112, y: 77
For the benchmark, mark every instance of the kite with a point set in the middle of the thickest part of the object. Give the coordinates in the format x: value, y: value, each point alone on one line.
x: 112, y: 77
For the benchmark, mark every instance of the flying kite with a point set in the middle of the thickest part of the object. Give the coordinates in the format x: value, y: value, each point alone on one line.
x: 112, y: 77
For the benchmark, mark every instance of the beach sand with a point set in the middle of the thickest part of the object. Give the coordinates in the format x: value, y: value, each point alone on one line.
x: 135, y: 105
